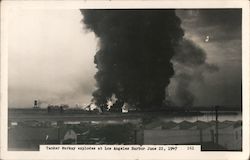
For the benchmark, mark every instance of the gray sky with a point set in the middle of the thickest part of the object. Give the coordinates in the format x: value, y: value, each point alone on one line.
x: 223, y: 49
x: 51, y: 57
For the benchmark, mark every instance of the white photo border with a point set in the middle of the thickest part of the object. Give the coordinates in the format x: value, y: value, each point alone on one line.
x: 7, y: 6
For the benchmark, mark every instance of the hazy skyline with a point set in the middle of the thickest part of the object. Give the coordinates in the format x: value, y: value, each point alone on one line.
x: 51, y: 56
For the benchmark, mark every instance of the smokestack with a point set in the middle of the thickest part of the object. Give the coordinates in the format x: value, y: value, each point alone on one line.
x: 134, y: 59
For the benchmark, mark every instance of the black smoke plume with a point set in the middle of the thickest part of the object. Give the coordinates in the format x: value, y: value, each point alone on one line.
x: 134, y: 59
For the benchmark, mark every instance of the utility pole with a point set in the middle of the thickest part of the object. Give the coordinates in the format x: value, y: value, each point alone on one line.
x: 216, y: 126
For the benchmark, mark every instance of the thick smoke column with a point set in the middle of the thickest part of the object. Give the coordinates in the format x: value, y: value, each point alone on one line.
x: 190, y: 66
x: 134, y: 59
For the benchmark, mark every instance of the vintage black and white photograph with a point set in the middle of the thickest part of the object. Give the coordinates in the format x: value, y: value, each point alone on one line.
x: 125, y: 76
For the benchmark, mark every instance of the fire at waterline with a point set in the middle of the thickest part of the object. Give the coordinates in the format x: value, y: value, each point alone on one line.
x: 140, y: 55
